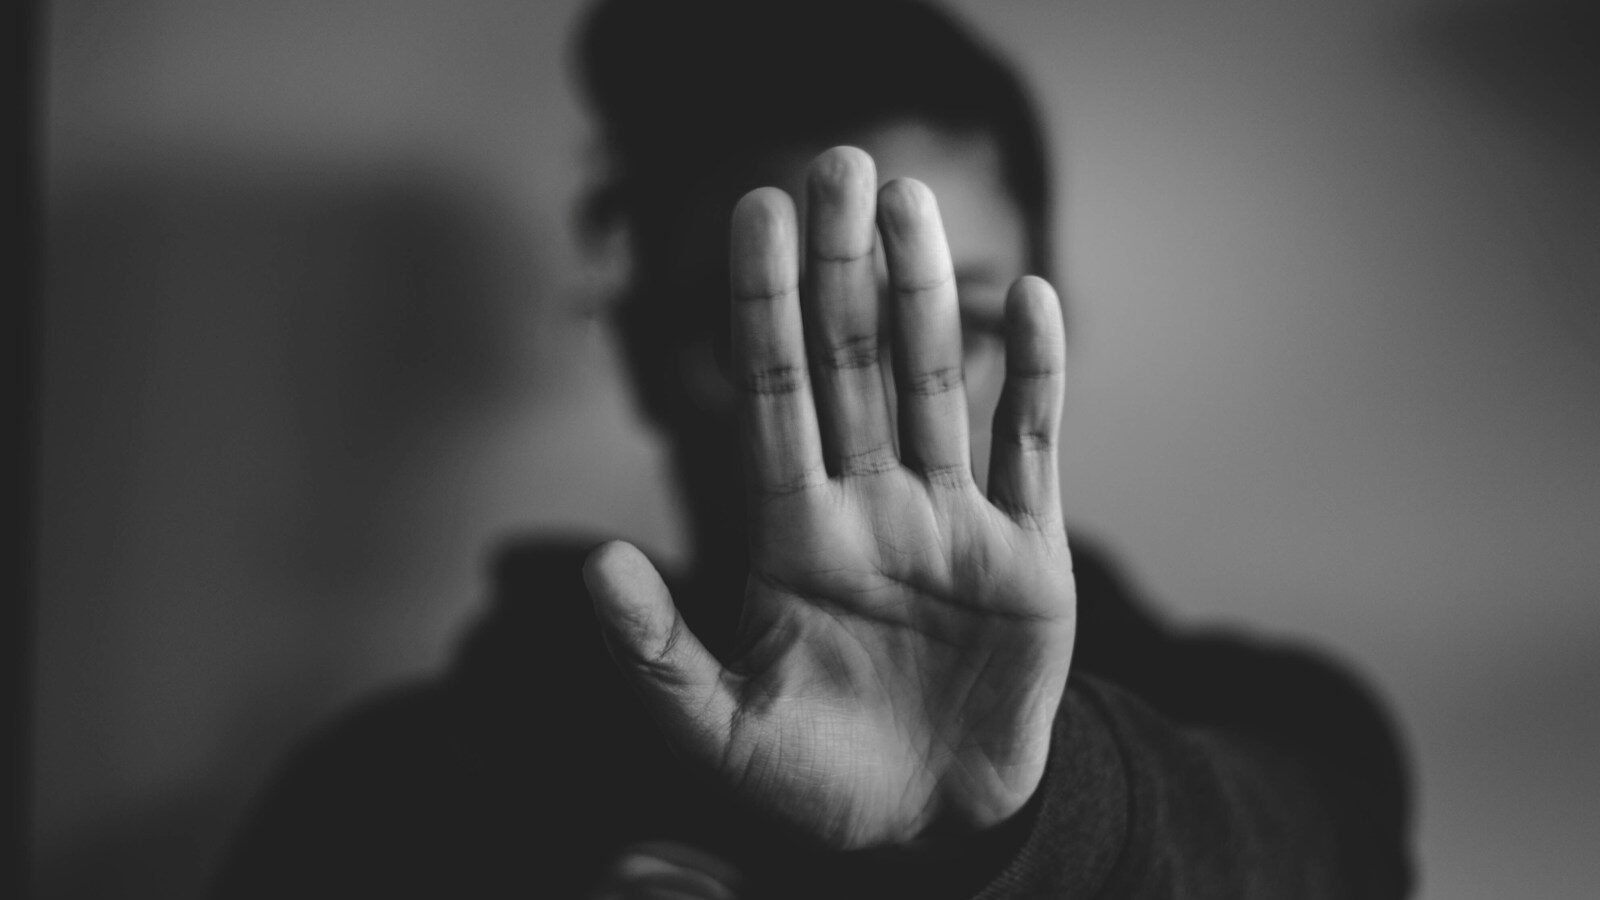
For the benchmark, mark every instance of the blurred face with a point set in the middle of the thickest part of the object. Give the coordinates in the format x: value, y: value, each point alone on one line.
x: 988, y: 247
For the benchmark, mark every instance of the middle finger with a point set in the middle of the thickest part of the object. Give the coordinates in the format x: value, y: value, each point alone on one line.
x: 842, y: 313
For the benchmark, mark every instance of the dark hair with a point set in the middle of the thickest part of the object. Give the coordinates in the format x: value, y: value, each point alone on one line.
x: 689, y: 91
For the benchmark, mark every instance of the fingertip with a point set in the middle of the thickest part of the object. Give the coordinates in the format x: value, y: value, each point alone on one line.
x: 1034, y: 286
x: 841, y: 188
x: 905, y: 201
x: 603, y: 560
x: 1031, y: 291
x: 615, y: 570
x: 1036, y: 342
x: 762, y: 244
x: 917, y: 252
x: 841, y: 172
x: 765, y: 212
x: 1033, y: 303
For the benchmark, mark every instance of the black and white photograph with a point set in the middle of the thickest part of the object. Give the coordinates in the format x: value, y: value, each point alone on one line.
x: 809, y: 449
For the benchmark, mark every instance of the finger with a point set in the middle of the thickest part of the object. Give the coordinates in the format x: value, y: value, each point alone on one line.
x: 779, y: 418
x: 686, y: 690
x: 1023, y: 474
x: 927, y: 332
x: 668, y: 869
x: 842, y: 313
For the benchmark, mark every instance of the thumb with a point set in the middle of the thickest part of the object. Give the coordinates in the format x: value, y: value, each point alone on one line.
x: 686, y: 690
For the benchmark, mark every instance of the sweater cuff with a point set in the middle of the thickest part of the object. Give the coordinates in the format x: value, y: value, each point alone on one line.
x: 1079, y: 816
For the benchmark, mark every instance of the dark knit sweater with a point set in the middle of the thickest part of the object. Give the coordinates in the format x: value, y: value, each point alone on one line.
x: 1182, y: 765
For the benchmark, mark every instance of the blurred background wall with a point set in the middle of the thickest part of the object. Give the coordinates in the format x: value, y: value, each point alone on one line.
x: 317, y: 336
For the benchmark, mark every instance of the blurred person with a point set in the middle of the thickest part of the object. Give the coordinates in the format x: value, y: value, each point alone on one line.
x: 886, y: 673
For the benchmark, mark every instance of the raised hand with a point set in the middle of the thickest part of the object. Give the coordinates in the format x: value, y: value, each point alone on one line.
x: 904, y: 639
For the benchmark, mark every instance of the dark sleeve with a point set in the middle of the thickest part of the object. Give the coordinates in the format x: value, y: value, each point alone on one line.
x: 388, y: 801
x: 515, y: 773
x: 1182, y: 765
x: 1195, y: 765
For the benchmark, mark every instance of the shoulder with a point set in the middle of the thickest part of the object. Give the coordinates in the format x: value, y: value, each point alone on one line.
x: 1286, y: 692
x: 424, y: 787
x: 339, y: 815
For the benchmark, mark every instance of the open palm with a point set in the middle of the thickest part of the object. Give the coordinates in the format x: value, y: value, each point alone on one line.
x: 905, y: 639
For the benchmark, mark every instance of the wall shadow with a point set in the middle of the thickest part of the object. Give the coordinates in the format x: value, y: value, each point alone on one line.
x: 249, y: 363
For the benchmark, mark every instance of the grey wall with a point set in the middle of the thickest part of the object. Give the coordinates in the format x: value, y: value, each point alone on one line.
x: 316, y: 336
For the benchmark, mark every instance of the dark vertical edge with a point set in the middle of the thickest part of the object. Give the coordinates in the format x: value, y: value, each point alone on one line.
x: 21, y: 330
